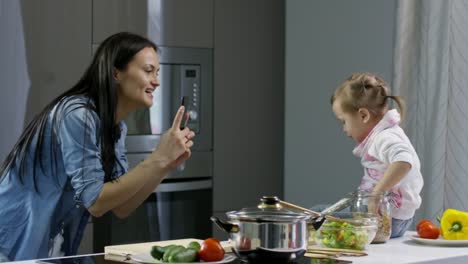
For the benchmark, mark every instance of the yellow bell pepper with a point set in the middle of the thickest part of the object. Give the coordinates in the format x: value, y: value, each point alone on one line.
x: 454, y: 225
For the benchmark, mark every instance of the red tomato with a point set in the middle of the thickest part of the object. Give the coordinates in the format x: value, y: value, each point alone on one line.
x: 422, y: 222
x: 428, y: 230
x: 211, y: 250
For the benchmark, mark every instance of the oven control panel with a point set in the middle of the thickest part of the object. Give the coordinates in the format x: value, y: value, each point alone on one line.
x: 191, y: 90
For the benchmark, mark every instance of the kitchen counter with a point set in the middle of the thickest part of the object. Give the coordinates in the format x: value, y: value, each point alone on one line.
x: 399, y: 250
x: 405, y: 250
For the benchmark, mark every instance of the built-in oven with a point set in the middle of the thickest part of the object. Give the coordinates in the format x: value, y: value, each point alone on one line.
x: 181, y: 205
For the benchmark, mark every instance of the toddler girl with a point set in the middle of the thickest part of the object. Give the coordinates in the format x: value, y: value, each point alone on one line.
x: 390, y: 162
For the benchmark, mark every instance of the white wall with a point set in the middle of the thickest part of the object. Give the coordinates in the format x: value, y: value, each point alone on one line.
x: 327, y: 40
x: 14, y: 77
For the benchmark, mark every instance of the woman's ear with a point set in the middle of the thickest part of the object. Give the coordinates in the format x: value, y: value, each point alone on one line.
x: 364, y: 114
x: 116, y: 74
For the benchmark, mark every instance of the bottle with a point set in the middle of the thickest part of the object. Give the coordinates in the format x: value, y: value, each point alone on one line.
x: 378, y: 204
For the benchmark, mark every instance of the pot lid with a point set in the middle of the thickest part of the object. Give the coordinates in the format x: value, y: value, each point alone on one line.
x: 268, y: 211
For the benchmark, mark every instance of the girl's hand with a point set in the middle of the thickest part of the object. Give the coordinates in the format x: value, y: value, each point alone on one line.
x: 373, y: 205
x: 174, y: 146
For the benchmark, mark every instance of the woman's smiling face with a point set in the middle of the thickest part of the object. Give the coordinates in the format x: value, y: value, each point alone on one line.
x: 137, y: 82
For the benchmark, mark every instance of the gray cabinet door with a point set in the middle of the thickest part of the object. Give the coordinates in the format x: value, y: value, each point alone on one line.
x: 112, y: 16
x: 248, y: 102
x: 177, y: 23
x: 58, y: 47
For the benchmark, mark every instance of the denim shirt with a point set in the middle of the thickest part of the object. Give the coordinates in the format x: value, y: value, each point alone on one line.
x: 69, y: 183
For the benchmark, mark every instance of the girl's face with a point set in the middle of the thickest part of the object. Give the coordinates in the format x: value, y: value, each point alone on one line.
x: 356, y: 125
x: 138, y: 81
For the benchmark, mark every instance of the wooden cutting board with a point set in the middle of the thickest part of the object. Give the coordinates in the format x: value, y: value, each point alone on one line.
x: 124, y: 250
x: 122, y: 253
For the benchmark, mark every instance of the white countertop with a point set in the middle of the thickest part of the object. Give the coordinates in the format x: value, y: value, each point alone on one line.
x: 406, y: 250
x: 397, y: 251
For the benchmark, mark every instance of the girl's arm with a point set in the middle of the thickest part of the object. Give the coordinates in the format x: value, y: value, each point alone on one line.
x: 130, y: 190
x: 394, y: 173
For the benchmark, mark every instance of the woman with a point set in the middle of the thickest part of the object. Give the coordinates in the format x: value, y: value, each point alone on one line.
x: 70, y: 162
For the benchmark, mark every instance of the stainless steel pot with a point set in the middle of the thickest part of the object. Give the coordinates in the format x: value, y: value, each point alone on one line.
x: 267, y: 231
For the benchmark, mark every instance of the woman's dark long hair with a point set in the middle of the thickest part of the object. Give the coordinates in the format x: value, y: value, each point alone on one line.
x: 97, y: 84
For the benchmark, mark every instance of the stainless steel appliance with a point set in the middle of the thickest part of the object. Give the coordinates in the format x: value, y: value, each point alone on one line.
x: 181, y: 205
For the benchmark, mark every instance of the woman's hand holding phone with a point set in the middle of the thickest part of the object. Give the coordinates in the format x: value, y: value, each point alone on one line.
x: 186, y: 116
x: 174, y: 146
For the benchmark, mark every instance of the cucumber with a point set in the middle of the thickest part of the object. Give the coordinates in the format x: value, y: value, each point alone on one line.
x: 168, y: 248
x: 171, y: 251
x: 157, y: 252
x: 195, y: 245
x: 185, y: 256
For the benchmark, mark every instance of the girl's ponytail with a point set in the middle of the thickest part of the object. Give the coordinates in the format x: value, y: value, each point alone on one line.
x: 401, y: 105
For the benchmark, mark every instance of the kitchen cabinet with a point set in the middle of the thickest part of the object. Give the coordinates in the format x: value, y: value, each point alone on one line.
x: 186, y: 23
x: 58, y: 44
x: 86, y: 246
x: 140, y: 226
x: 248, y: 103
x: 112, y: 16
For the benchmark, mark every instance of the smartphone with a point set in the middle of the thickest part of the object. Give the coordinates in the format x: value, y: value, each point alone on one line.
x: 185, y: 118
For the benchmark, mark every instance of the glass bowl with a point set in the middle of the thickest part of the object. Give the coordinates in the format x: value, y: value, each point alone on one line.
x: 350, y: 231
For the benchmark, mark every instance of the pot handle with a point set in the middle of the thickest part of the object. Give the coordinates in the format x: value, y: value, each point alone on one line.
x: 317, y: 221
x: 228, y: 227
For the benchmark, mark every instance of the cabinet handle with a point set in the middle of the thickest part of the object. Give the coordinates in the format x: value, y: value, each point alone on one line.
x: 184, y: 186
